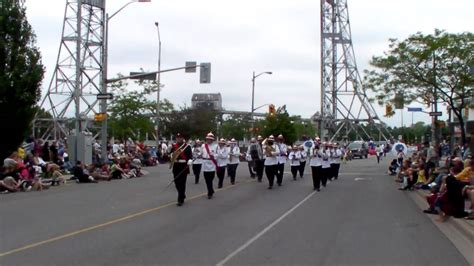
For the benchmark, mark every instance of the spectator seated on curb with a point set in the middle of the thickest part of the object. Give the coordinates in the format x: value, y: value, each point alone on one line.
x: 96, y: 172
x: 468, y: 192
x: 409, y: 177
x: 449, y: 200
x: 52, y: 174
x: 82, y: 175
x: 403, y: 173
x: 7, y: 182
x: 126, y: 167
x: 136, y: 167
x: 465, y: 175
x: 116, y: 171
x: 392, y: 168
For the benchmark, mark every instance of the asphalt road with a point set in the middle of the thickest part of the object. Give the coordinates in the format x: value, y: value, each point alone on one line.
x: 361, y: 219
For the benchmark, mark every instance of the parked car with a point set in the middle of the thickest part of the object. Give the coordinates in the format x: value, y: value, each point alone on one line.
x: 359, y: 149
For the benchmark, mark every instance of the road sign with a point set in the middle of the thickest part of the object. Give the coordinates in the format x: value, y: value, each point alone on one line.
x: 105, y: 96
x: 415, y: 109
x: 190, y: 67
x: 436, y: 113
x: 142, y: 76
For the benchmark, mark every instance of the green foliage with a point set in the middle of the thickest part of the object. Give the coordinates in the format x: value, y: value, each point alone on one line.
x: 192, y: 123
x: 303, y: 128
x: 421, y: 65
x: 236, y: 126
x: 132, y: 114
x: 412, y: 134
x: 21, y: 73
x: 277, y: 124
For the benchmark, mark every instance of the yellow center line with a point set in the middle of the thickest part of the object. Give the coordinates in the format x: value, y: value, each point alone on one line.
x: 94, y: 227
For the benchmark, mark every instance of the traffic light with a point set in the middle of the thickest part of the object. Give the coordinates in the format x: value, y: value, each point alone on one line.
x: 99, y: 117
x: 205, y: 73
x: 271, y: 109
x: 389, y: 110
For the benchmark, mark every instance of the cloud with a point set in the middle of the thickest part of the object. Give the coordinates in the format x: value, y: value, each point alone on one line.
x: 239, y: 37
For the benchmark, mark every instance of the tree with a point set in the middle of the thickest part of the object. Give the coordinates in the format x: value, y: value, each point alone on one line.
x: 21, y: 73
x: 422, y: 66
x: 193, y: 122
x: 302, y: 128
x: 235, y: 126
x: 279, y: 123
x: 132, y: 113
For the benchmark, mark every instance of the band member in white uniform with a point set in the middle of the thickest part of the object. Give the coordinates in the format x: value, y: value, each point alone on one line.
x: 316, y: 162
x: 304, y: 156
x: 209, y: 163
x: 336, y: 155
x: 222, y: 161
x: 259, y: 159
x: 281, y: 159
x: 234, y: 160
x: 271, y: 152
x: 197, y: 160
x: 248, y: 156
x: 294, y: 157
x: 326, y: 165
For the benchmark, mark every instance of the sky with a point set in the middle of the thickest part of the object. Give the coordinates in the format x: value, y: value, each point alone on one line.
x: 239, y: 37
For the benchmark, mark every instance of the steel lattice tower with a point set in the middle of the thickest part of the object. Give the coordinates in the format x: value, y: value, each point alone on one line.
x: 344, y: 103
x: 77, y: 77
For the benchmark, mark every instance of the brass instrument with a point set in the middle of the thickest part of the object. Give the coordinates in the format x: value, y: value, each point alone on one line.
x: 268, y: 148
x: 177, y: 153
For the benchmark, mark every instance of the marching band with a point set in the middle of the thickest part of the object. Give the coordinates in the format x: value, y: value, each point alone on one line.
x: 263, y: 155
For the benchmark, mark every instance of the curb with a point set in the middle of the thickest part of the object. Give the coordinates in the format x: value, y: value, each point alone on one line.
x: 459, y: 231
x: 464, y: 226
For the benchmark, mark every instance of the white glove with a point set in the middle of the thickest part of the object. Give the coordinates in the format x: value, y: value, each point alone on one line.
x: 190, y: 162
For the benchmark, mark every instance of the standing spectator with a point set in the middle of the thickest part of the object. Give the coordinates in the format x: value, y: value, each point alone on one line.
x: 53, y: 151
x: 378, y: 153
x: 45, y: 152
x: 400, y: 157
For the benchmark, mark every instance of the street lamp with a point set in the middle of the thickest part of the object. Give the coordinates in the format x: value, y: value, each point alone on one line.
x: 104, y: 76
x: 253, y: 95
x: 158, y: 75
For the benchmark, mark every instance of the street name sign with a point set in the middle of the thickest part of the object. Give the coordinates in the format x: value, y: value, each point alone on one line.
x: 105, y: 96
x: 436, y: 113
x: 415, y: 109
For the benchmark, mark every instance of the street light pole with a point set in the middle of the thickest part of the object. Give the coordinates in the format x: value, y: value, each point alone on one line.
x: 253, y: 97
x: 105, y: 58
x: 158, y: 78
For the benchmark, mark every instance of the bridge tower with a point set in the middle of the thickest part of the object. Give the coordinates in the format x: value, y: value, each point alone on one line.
x: 345, y: 106
x: 78, y: 75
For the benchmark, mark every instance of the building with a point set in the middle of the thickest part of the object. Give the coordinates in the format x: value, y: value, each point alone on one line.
x: 211, y: 101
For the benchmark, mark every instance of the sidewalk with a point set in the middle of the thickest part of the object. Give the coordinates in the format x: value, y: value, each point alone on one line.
x: 458, y: 230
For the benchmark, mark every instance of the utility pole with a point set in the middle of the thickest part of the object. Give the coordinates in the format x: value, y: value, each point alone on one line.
x: 158, y: 80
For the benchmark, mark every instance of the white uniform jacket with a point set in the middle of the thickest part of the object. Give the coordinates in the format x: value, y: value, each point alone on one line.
x: 234, y: 155
x: 304, y: 155
x: 222, y: 156
x: 197, y: 155
x: 316, y: 157
x: 294, y: 158
x: 207, y: 164
x: 271, y: 159
x: 283, y: 153
x: 337, y: 154
x: 326, y: 159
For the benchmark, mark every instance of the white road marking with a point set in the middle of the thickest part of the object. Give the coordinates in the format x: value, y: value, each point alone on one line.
x: 362, y: 178
x: 257, y: 236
